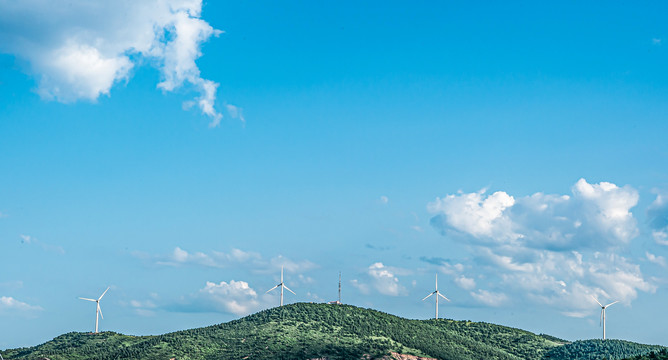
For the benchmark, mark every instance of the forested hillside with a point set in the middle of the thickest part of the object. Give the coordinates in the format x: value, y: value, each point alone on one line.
x: 306, y: 331
x: 600, y: 349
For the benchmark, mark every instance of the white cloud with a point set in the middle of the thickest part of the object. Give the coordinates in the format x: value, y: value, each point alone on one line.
x: 659, y: 260
x: 235, y: 297
x: 9, y: 305
x: 489, y: 298
x: 597, y: 215
x: 484, y: 218
x: 384, y: 199
x: 362, y: 287
x: 181, y: 257
x: 144, y: 308
x: 81, y: 50
x: 384, y: 280
x: 656, y: 41
x: 465, y: 282
x: 552, y: 249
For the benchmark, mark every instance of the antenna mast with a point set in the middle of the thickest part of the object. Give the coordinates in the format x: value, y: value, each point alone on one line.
x: 339, y: 287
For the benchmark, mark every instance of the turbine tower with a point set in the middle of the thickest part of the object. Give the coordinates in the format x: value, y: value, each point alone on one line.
x: 98, y: 310
x: 282, y: 285
x: 437, y: 293
x: 603, y: 307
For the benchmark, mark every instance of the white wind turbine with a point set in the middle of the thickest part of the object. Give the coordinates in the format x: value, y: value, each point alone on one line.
x: 282, y: 285
x: 603, y: 307
x: 437, y: 293
x: 98, y: 310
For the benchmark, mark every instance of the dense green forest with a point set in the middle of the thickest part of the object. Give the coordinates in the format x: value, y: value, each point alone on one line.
x: 307, y: 331
x: 600, y: 349
x: 654, y: 355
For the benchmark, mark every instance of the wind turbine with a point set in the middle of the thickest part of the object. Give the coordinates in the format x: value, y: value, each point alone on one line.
x: 603, y: 307
x: 98, y: 311
x: 437, y: 295
x: 282, y: 285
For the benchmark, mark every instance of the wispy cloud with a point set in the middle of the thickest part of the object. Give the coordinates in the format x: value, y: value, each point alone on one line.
x: 79, y: 54
x: 9, y: 305
x: 656, y: 259
x: 235, y: 257
x: 29, y: 240
x: 489, y: 298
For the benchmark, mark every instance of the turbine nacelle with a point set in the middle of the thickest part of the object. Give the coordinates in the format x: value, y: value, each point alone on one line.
x: 602, y: 317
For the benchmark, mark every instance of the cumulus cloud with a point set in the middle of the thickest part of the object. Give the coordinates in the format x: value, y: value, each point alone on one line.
x: 234, y: 297
x: 81, y: 50
x: 554, y: 249
x: 9, y: 305
x: 384, y: 279
x: 595, y: 215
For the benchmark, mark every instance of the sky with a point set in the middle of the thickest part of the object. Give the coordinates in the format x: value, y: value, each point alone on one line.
x: 182, y: 152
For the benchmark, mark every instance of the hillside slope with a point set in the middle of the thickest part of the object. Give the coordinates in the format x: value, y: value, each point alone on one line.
x: 306, y: 331
x: 600, y: 349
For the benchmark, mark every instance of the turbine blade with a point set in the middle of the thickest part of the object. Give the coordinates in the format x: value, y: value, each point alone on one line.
x: 600, y: 321
x: 612, y: 303
x: 100, y: 310
x: 103, y: 294
x: 288, y: 289
x: 425, y: 298
x: 88, y: 299
x: 596, y: 300
x: 273, y: 288
x: 443, y: 296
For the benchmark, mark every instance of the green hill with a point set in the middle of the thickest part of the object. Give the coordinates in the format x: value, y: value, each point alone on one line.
x: 308, y: 331
x: 655, y: 355
x: 600, y: 349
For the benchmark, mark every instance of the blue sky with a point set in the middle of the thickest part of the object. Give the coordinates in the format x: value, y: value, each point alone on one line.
x: 181, y: 153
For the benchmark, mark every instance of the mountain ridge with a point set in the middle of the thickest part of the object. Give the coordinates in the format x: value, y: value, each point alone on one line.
x: 325, y: 331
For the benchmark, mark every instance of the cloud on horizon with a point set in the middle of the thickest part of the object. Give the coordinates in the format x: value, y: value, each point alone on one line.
x: 81, y: 50
x: 555, y: 249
